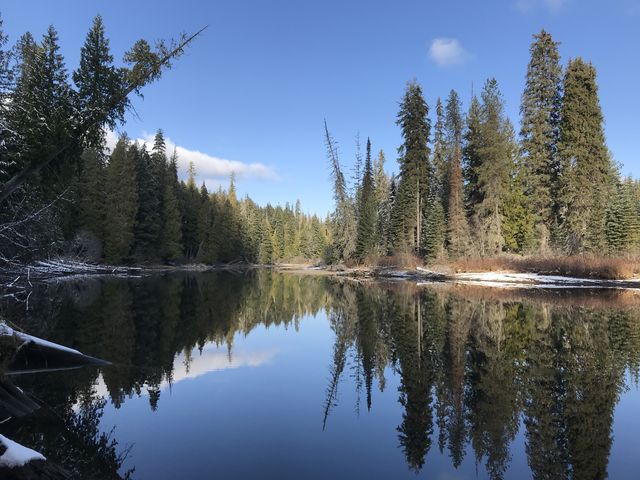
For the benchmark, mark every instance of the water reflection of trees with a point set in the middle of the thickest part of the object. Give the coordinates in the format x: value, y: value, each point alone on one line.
x: 473, y: 365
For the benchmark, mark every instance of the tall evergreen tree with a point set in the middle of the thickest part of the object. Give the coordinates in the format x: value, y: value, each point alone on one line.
x: 122, y: 198
x: 382, y: 185
x: 586, y: 171
x: 98, y: 82
x: 189, y: 206
x: 344, y: 227
x: 457, y: 236
x: 471, y: 156
x: 91, y: 194
x: 440, y: 166
x: 540, y: 116
x: 147, y: 229
x: 171, y: 233
x: 367, y: 210
x: 496, y: 153
x: 415, y: 170
x: 41, y: 110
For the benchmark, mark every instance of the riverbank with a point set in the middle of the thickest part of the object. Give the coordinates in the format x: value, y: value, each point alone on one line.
x: 497, y: 272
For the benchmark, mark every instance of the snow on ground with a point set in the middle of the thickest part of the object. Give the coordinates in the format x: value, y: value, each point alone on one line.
x: 26, y: 338
x: 505, y: 279
x: 17, y: 455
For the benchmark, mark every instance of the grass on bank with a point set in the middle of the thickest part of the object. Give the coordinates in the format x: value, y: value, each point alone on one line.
x: 580, y: 266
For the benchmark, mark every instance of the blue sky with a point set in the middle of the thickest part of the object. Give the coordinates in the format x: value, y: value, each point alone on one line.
x: 258, y: 84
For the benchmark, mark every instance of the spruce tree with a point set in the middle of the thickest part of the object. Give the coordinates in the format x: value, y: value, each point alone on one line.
x: 415, y: 170
x: 440, y: 168
x: 343, y: 224
x: 171, y: 234
x: 471, y: 156
x: 540, y: 116
x: 382, y: 184
x: 91, y: 194
x: 367, y: 211
x: 147, y: 229
x: 98, y: 82
x: 122, y: 199
x: 495, y: 155
x: 586, y: 172
x: 41, y: 111
x: 434, y: 231
x: 457, y: 236
x: 189, y: 206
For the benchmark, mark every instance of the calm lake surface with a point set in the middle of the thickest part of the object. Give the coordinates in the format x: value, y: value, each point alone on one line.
x: 275, y: 375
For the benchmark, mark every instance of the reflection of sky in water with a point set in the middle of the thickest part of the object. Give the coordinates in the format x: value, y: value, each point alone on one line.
x: 211, y: 358
x: 266, y: 421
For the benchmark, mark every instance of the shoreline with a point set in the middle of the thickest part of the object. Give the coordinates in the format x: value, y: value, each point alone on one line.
x: 49, y: 270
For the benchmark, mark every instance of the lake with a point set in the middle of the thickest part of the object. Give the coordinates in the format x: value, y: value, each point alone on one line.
x: 276, y: 375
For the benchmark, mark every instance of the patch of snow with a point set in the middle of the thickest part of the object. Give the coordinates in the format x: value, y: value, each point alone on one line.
x: 26, y: 338
x: 534, y: 278
x: 17, y: 455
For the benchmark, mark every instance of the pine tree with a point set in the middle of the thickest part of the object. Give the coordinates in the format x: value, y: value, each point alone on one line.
x: 98, y: 82
x: 440, y: 168
x: 367, y: 211
x: 435, y: 229
x: 471, y: 156
x: 415, y: 170
x: 343, y: 225
x: 382, y: 184
x: 586, y: 171
x: 189, y: 203
x: 122, y: 198
x: 518, y: 220
x: 91, y: 194
x: 265, y: 251
x: 540, y: 116
x: 623, y: 221
x: 41, y: 111
x: 148, y: 227
x: 457, y: 238
x: 496, y: 152
x: 171, y: 234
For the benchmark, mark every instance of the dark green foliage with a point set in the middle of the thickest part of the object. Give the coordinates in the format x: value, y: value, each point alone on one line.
x: 457, y: 236
x: 343, y: 220
x: 147, y: 228
x: 383, y: 200
x: 40, y: 111
x: 540, y: 113
x: 367, y: 211
x: 171, y: 232
x: 91, y: 194
x: 415, y: 171
x: 122, y: 199
x: 98, y: 82
x: 586, y: 171
x: 623, y: 220
x: 493, y: 157
x: 434, y: 230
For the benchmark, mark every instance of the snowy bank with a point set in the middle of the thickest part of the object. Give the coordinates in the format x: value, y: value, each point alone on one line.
x: 16, y: 455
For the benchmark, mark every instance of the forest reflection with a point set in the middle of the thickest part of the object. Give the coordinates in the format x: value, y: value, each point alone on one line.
x: 474, y: 365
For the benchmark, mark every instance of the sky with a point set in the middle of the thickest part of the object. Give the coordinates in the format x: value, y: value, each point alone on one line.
x: 252, y: 92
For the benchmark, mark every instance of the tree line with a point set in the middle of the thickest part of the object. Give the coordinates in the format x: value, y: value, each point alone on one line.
x: 468, y: 185
x: 127, y: 205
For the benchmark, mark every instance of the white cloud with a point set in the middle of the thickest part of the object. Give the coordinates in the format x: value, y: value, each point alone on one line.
x: 447, y: 52
x: 214, y: 171
x: 552, y: 6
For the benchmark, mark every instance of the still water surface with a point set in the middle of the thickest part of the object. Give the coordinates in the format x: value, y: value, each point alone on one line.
x: 271, y: 375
